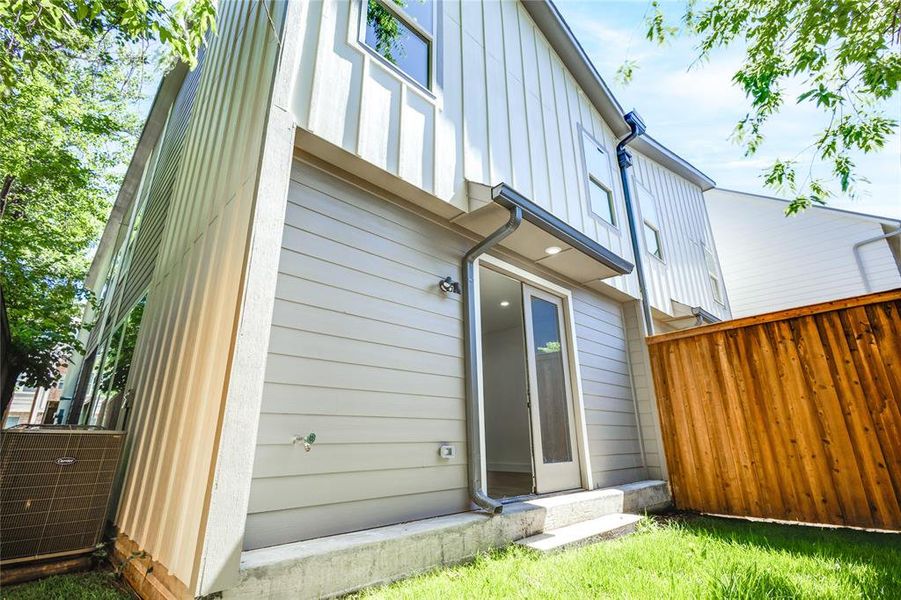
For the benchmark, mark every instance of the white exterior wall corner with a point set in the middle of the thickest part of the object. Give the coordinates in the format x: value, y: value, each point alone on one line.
x: 171, y: 501
x: 773, y: 262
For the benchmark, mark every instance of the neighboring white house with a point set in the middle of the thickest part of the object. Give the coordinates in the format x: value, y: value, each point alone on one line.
x: 418, y: 249
x: 771, y: 262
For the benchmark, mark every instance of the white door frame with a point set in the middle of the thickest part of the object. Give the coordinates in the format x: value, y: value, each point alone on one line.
x: 559, y: 476
x: 580, y: 427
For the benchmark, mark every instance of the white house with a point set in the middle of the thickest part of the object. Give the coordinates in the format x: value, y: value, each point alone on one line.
x: 771, y: 262
x: 354, y: 280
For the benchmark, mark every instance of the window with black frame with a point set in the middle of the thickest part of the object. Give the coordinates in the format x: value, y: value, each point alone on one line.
x: 402, y: 33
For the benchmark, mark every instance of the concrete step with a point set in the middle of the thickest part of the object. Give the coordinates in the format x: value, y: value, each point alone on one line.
x: 577, y: 507
x: 607, y: 527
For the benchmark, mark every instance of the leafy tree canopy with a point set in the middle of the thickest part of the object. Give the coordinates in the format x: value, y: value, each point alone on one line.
x: 52, y: 32
x: 71, y: 75
x: 845, y: 53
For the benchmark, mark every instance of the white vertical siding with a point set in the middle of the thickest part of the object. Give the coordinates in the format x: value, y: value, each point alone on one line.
x: 771, y: 261
x: 181, y: 365
x: 684, y: 233
x: 505, y: 110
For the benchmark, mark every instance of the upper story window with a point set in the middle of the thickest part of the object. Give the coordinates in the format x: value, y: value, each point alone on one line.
x: 600, y: 184
x: 651, y: 223
x: 402, y: 32
x: 716, y: 286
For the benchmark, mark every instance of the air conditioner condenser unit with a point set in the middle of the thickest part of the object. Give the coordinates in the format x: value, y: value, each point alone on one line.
x: 55, y: 483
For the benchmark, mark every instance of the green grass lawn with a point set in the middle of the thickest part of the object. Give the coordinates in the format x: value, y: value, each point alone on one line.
x: 95, y: 585
x: 689, y: 557
x: 684, y: 557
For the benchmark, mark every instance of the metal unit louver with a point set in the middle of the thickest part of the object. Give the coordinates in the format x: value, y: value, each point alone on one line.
x: 55, y: 482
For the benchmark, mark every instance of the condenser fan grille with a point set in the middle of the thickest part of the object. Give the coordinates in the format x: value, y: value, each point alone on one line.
x: 54, y: 489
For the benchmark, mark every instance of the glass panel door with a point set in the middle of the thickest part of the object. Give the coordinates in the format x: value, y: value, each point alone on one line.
x: 556, y: 457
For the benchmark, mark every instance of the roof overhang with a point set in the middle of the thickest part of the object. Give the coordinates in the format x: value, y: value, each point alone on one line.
x: 580, y: 258
x: 665, y: 157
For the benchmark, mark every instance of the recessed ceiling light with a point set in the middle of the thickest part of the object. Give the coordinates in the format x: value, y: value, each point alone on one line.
x: 552, y: 250
x: 505, y: 303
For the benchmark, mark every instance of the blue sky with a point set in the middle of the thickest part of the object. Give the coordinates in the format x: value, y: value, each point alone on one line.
x: 693, y: 109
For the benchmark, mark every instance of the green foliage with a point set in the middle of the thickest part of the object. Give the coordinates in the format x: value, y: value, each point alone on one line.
x: 46, y: 35
x: 626, y: 71
x: 386, y: 28
x: 61, y: 139
x: 71, y: 74
x: 845, y: 53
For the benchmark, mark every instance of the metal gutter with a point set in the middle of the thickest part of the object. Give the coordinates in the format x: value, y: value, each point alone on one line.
x: 672, y: 161
x: 474, y: 439
x: 624, y: 159
x: 860, y: 266
x: 509, y: 198
x: 704, y: 317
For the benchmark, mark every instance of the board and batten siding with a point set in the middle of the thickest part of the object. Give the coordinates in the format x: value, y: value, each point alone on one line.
x: 772, y: 262
x: 180, y: 370
x: 367, y: 353
x: 504, y: 109
x: 684, y: 233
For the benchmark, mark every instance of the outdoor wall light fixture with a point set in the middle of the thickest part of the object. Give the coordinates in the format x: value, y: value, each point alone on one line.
x: 449, y: 286
x: 552, y: 250
x: 505, y: 303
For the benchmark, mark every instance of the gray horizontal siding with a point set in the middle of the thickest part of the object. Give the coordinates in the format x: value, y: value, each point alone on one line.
x: 366, y: 353
x: 614, y: 445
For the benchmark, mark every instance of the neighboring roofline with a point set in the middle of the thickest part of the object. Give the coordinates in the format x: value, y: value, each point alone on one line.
x: 883, y: 220
x: 555, y: 28
x: 669, y: 159
x: 150, y: 134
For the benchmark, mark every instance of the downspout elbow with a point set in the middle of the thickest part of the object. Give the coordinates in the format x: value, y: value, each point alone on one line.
x: 471, y: 364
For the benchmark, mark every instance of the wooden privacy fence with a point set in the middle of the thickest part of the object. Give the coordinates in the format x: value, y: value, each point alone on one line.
x: 790, y: 415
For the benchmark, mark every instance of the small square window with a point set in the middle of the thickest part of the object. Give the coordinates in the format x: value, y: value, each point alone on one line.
x: 400, y: 31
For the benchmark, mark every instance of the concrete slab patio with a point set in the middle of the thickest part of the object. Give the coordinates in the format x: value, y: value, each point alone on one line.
x: 340, y: 564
